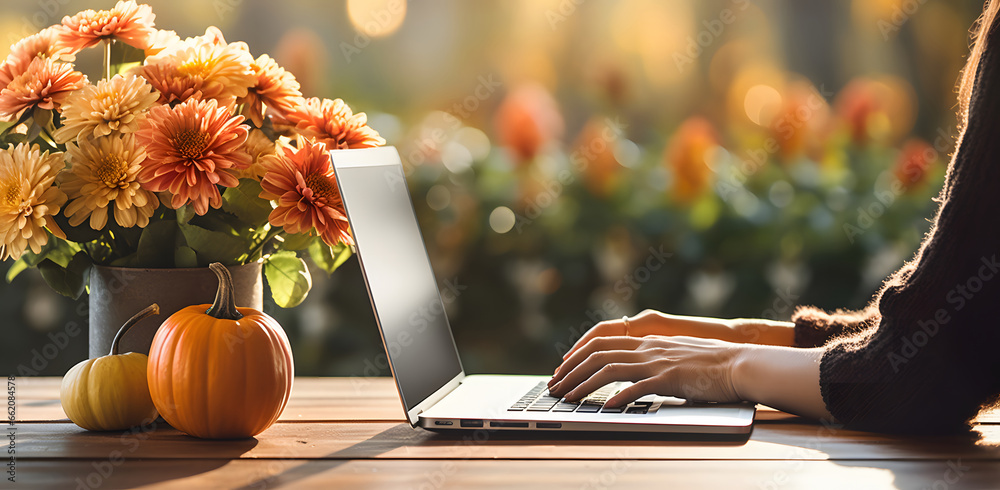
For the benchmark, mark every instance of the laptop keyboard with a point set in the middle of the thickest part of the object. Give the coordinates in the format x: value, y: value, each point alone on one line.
x: 538, y: 399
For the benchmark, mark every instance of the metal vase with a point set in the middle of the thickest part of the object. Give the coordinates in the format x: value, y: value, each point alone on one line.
x: 117, y: 293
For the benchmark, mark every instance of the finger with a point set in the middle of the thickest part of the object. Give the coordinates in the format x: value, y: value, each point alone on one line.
x: 595, y: 345
x: 608, y: 374
x: 633, y: 392
x: 604, y: 329
x: 592, y: 364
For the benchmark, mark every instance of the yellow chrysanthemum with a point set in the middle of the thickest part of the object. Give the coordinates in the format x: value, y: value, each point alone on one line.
x: 28, y: 199
x: 103, y: 174
x: 202, y: 67
x: 258, y: 146
x: 111, y: 107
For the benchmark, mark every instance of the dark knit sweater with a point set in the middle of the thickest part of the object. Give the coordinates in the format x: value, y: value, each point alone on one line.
x: 925, y: 355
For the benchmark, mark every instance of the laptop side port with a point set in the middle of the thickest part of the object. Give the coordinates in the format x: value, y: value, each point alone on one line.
x: 548, y: 425
x: 472, y: 423
x: 443, y: 422
x: 509, y: 424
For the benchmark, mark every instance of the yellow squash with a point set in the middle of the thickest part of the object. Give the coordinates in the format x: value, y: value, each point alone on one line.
x: 110, y: 392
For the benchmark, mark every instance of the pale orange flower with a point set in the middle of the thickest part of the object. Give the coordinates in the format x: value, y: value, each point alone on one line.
x: 28, y: 199
x: 275, y: 88
x: 201, y: 67
x: 103, y: 175
x: 161, y: 40
x: 305, y: 188
x: 331, y: 122
x: 688, y: 157
x: 527, y: 120
x: 191, y: 149
x: 114, y: 106
x: 127, y: 22
x: 45, y: 84
x: 44, y: 44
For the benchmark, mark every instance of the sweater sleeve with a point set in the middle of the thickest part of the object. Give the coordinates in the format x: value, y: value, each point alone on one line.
x: 929, y: 363
x: 815, y: 327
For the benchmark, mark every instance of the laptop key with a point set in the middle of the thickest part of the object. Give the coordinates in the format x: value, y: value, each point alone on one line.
x: 588, y: 408
x: 564, y: 407
x: 613, y: 409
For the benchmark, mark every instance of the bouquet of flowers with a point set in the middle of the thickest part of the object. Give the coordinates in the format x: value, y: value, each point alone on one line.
x: 185, y: 152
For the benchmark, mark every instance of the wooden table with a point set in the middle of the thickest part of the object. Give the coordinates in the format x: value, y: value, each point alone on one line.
x: 350, y: 433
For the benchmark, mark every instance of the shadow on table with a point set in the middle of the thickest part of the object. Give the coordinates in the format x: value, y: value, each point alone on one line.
x: 402, y: 435
x: 113, y: 472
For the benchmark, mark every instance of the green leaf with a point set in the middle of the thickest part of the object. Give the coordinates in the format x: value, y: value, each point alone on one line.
x: 214, y: 246
x: 56, y: 249
x: 129, y: 260
x: 288, y: 277
x: 70, y: 280
x: 19, y: 266
x: 298, y: 241
x: 242, y: 201
x: 329, y: 258
x: 185, y: 213
x: 185, y: 257
x: 156, y: 245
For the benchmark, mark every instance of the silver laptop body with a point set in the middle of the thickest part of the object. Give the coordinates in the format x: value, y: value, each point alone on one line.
x: 433, y: 387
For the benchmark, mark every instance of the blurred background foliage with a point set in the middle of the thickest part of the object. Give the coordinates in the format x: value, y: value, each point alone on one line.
x: 574, y: 161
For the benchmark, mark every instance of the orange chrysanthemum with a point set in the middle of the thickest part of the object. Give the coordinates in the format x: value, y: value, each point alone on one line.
x: 44, y: 44
x: 45, y: 84
x: 192, y: 148
x: 305, y: 188
x: 28, y: 199
x: 202, y: 67
x: 127, y: 22
x: 275, y: 88
x: 333, y: 123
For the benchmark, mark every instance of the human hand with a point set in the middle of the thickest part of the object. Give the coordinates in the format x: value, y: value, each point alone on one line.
x: 652, y: 322
x: 687, y: 367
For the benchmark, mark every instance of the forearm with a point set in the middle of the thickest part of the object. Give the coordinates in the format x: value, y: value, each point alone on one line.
x: 739, y: 330
x: 781, y: 377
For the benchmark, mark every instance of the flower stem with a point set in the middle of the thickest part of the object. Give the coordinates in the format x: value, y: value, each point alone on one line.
x: 153, y: 309
x: 107, y: 59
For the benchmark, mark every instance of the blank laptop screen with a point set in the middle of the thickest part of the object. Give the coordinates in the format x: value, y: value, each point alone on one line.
x: 401, y: 283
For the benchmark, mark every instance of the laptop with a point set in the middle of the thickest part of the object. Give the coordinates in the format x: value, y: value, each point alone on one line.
x: 435, y: 391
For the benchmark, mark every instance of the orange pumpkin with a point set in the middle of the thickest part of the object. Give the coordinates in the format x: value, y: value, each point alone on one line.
x: 218, y: 371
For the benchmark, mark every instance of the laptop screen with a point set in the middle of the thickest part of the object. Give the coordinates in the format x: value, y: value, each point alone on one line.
x: 403, y: 290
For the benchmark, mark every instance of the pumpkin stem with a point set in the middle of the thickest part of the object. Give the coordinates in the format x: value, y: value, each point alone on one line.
x: 224, y: 307
x: 153, y: 309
